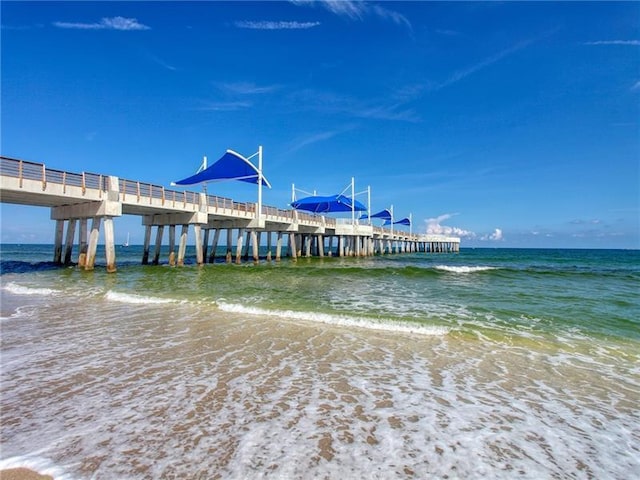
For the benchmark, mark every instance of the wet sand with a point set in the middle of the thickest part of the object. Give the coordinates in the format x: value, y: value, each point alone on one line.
x: 22, y: 474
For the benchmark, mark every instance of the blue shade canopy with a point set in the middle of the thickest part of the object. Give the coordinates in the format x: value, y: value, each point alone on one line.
x: 383, y: 214
x: 404, y: 221
x: 231, y: 166
x: 332, y: 203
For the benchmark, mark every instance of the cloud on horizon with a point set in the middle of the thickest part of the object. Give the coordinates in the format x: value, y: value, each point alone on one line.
x: 434, y: 227
x: 272, y: 25
x: 106, y: 23
x: 496, y: 236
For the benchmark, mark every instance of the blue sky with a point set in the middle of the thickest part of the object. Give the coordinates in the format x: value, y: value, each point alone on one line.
x: 509, y: 124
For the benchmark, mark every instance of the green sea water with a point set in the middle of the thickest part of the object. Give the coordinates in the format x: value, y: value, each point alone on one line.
x: 487, y: 363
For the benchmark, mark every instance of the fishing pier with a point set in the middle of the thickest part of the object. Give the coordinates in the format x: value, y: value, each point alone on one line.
x: 76, y: 198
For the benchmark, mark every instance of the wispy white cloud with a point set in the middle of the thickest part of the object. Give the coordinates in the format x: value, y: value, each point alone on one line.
x: 246, y: 88
x: 357, y: 10
x: 395, y: 17
x: 326, y: 102
x: 107, y: 23
x: 460, y: 74
x: 636, y: 86
x: 316, y: 138
x: 346, y: 8
x: 447, y: 32
x: 162, y: 63
x: 271, y: 25
x: 614, y: 42
x: 225, y: 106
x: 435, y: 227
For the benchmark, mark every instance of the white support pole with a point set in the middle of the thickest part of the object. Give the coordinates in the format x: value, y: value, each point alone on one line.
x: 410, y: 223
x: 353, y: 201
x: 392, y: 224
x: 369, y: 203
x: 259, y: 212
x: 293, y: 193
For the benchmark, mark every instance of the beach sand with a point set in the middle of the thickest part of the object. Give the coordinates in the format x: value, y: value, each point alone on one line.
x: 22, y: 474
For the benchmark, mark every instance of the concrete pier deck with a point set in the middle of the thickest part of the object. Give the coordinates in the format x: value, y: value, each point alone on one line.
x: 76, y: 198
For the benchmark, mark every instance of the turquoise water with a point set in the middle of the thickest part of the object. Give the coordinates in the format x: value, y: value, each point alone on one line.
x: 487, y: 363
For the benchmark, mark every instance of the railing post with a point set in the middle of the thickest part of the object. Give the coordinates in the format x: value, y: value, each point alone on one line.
x: 44, y: 178
x: 20, y: 173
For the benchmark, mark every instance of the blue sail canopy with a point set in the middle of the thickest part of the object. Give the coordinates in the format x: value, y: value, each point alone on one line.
x: 231, y: 166
x: 404, y: 221
x: 331, y: 203
x: 383, y: 214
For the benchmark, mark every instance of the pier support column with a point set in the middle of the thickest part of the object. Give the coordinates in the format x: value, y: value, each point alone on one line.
x: 229, y: 245
x: 320, y: 246
x: 82, y: 241
x: 172, y: 245
x: 205, y: 245
x: 156, y: 253
x: 109, y: 244
x: 57, y: 249
x: 268, y: 246
x: 147, y: 243
x: 197, y: 231
x: 299, y: 237
x: 239, y: 247
x: 182, y: 248
x: 247, y: 243
x: 278, y: 246
x: 214, y: 245
x: 292, y: 246
x: 68, y: 244
x: 93, y: 243
x: 307, y: 246
x: 254, y: 244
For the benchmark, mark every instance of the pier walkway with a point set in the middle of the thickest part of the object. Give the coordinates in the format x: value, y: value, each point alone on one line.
x: 75, y: 198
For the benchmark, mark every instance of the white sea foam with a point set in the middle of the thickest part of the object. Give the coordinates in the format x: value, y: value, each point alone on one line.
x: 24, y: 290
x: 339, y: 320
x: 137, y: 299
x: 247, y: 399
x: 463, y: 268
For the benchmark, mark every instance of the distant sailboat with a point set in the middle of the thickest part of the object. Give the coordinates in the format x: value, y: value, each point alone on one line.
x: 126, y: 244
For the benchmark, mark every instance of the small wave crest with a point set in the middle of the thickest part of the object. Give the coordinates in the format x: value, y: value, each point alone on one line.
x: 24, y: 290
x: 339, y: 320
x: 137, y: 299
x: 463, y: 268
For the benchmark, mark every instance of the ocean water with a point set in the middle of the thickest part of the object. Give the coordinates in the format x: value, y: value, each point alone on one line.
x: 490, y: 363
